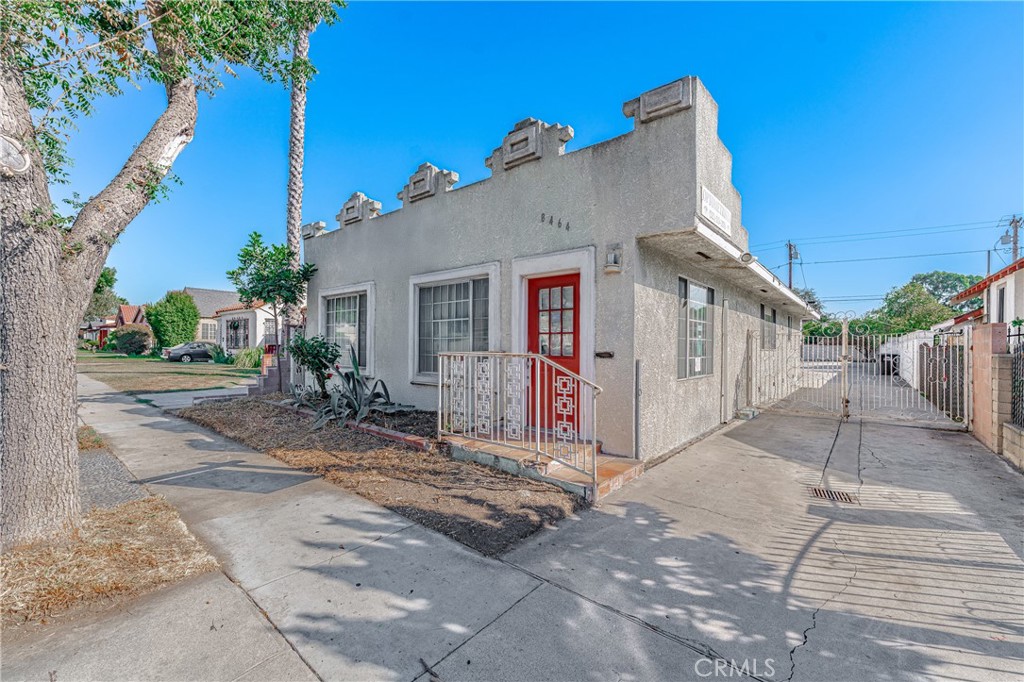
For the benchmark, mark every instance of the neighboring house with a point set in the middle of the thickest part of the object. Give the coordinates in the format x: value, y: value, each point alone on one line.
x: 209, y: 301
x: 241, y: 327
x: 625, y: 262
x: 953, y: 324
x: 97, y: 329
x: 1002, y: 295
x: 130, y: 314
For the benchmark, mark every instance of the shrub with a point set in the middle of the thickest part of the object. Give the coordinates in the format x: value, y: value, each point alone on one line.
x: 219, y: 356
x: 109, y: 344
x: 133, y: 339
x: 174, y: 319
x: 249, y: 358
x: 86, y: 344
x: 316, y: 355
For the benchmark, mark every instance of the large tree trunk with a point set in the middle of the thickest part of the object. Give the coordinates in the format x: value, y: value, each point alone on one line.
x: 38, y: 449
x: 48, y: 274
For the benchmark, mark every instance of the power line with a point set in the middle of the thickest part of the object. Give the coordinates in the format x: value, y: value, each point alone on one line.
x: 984, y: 224
x: 816, y: 241
x: 912, y: 255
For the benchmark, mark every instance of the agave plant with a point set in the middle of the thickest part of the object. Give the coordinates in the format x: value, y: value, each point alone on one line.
x: 355, y: 398
x: 303, y: 396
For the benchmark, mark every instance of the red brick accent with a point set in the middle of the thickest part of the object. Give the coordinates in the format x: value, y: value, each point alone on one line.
x: 418, y: 442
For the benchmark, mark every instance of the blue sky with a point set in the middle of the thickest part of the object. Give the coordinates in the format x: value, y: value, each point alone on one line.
x: 841, y: 118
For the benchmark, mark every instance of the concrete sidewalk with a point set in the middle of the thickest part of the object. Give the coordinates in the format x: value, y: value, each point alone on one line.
x: 349, y: 591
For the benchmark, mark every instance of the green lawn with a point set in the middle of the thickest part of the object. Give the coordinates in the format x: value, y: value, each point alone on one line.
x: 155, y: 375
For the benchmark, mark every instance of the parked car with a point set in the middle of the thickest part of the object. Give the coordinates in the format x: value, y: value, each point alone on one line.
x: 187, y: 352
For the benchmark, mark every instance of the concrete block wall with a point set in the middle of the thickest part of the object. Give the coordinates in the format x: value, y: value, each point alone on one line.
x: 1013, y: 445
x: 992, y: 368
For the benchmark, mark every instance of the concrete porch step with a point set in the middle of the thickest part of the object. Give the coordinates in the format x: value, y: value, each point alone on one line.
x: 612, y: 472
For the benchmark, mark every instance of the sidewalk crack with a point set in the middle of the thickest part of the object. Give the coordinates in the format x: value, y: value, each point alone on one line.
x: 702, y: 648
x: 814, y: 614
x: 430, y: 668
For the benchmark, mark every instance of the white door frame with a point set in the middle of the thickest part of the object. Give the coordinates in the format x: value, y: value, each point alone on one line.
x: 547, y: 265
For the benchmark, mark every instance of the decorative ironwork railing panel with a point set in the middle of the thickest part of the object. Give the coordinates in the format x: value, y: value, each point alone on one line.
x: 1017, y: 385
x: 520, y: 400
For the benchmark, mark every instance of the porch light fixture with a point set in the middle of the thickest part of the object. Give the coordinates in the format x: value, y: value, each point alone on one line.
x: 613, y: 258
x: 747, y: 257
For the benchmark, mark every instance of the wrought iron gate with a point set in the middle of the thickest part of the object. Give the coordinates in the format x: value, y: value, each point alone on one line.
x: 851, y: 370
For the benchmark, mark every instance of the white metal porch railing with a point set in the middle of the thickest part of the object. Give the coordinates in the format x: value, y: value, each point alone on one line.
x: 520, y: 400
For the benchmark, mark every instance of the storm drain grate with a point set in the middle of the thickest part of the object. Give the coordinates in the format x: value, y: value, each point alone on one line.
x: 833, y: 495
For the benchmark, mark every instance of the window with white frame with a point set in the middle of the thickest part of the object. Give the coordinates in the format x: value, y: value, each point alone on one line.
x: 695, y: 344
x: 208, y: 331
x: 1001, y: 305
x: 451, y: 317
x: 769, y: 330
x: 345, y: 323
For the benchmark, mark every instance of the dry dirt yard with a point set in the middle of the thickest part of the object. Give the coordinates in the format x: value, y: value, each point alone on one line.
x: 129, y: 542
x: 483, y: 508
x: 153, y: 375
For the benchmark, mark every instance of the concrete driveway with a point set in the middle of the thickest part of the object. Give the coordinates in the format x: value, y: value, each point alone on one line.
x: 724, y: 548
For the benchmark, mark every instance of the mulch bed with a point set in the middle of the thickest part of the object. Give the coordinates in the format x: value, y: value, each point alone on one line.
x: 483, y: 508
x: 417, y: 423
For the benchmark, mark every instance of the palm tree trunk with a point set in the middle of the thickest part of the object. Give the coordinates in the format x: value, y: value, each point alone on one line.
x: 296, y: 158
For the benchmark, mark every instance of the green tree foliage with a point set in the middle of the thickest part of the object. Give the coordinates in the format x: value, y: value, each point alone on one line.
x: 944, y: 285
x: 316, y: 355
x: 133, y: 339
x: 174, y: 318
x: 810, y: 297
x: 909, y: 308
x: 265, y: 274
x: 106, y: 280
x: 104, y: 301
x: 71, y: 52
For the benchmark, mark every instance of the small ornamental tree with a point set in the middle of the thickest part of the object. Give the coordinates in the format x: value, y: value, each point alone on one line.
x: 133, y: 339
x: 265, y: 274
x: 174, y: 319
x: 316, y: 355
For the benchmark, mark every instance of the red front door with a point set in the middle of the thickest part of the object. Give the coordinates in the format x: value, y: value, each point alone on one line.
x: 553, y: 331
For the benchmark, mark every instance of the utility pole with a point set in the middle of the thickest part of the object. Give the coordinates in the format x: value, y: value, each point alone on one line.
x: 1015, y: 226
x: 793, y: 255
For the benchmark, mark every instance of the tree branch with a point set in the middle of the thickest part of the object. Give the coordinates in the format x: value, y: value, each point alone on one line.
x: 107, y: 214
x: 93, y: 46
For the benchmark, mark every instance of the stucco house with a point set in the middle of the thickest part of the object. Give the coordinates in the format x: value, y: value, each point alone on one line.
x: 240, y: 326
x: 208, y: 302
x: 1002, y: 295
x: 623, y: 265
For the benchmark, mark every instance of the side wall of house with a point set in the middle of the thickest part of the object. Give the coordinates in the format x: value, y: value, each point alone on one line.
x: 674, y: 411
